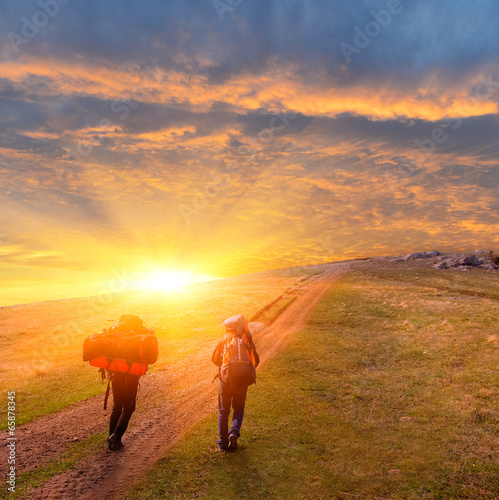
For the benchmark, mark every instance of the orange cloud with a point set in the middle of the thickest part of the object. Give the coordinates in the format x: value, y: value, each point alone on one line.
x: 295, y: 199
x: 279, y: 90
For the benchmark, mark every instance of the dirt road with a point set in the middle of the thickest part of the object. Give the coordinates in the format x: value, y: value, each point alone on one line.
x: 170, y: 402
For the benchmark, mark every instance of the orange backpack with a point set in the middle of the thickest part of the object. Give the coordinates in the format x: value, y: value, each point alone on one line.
x: 127, y: 347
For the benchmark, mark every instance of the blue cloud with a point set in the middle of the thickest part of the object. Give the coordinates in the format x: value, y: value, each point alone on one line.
x: 419, y: 37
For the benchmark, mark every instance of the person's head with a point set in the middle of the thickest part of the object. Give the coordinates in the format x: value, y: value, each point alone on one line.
x: 235, y: 325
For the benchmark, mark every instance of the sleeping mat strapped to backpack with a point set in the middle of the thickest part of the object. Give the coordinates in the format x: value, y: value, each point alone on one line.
x: 127, y: 346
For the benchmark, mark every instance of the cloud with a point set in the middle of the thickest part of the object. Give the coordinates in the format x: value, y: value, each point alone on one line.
x: 59, y: 86
x: 164, y: 135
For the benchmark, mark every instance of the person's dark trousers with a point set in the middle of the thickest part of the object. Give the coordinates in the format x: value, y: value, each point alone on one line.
x: 230, y: 393
x: 124, y: 395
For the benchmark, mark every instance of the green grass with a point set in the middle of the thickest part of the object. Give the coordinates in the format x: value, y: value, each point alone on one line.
x: 391, y: 391
x: 478, y: 282
x: 77, y: 452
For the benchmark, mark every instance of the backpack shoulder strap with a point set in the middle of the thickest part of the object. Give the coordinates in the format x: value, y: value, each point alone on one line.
x: 223, y: 355
x: 225, y: 349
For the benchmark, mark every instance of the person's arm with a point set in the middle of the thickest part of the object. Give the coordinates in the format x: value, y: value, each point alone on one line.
x: 252, y: 345
x: 257, y: 358
x: 217, y: 353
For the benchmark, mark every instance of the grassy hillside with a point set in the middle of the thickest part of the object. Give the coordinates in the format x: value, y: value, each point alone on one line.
x: 41, y: 343
x: 391, y: 391
x: 478, y: 282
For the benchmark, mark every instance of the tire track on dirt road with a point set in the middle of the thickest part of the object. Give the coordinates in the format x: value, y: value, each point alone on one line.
x: 187, y: 396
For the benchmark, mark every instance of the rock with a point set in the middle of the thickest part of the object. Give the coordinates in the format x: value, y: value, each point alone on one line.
x: 441, y: 265
x: 416, y: 255
x: 411, y: 256
x: 490, y: 267
x: 487, y: 263
x: 421, y: 255
x: 462, y: 262
x: 470, y: 260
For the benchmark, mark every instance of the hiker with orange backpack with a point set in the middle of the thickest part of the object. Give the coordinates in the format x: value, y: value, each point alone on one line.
x: 123, y: 352
x: 237, y: 359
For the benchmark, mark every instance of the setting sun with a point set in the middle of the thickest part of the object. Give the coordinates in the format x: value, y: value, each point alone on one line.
x: 170, y: 280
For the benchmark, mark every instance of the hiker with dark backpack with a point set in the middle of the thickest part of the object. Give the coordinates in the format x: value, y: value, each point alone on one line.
x: 237, y: 359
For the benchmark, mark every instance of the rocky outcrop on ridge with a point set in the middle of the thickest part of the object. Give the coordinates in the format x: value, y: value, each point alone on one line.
x: 421, y: 255
x: 479, y: 259
x: 466, y: 262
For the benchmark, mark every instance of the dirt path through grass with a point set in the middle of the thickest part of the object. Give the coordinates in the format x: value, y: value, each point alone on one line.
x: 390, y: 391
x: 170, y: 402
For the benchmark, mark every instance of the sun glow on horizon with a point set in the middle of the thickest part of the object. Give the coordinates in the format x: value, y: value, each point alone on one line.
x: 170, y: 280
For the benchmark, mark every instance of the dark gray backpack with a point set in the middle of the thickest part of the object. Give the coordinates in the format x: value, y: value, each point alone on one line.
x: 238, y: 361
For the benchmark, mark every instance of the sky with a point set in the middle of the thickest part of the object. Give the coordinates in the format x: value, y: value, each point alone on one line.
x: 226, y: 137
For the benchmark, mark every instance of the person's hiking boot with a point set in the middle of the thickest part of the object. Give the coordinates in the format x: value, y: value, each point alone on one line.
x: 114, y: 443
x: 222, y: 449
x: 232, y: 442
